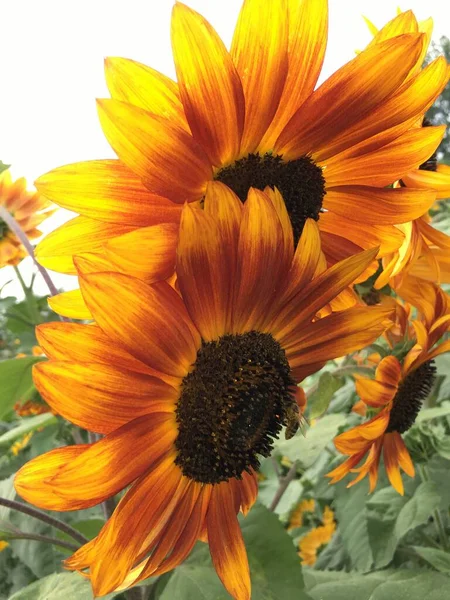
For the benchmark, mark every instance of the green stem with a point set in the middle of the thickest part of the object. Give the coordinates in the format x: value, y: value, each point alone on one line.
x: 284, y: 484
x: 44, y: 538
x: 33, y: 310
x: 438, y: 521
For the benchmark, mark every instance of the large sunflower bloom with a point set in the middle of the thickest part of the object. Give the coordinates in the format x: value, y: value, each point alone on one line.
x: 397, y: 392
x: 250, y: 117
x: 189, y: 389
x: 28, y: 208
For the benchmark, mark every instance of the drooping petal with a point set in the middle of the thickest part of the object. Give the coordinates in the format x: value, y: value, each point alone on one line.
x: 264, y: 257
x: 308, y: 27
x: 31, y: 480
x: 349, y: 94
x: 378, y: 206
x: 165, y: 157
x: 109, y: 191
x: 248, y: 491
x: 99, y: 397
x: 226, y: 544
x: 260, y: 53
x: 81, y: 234
x: 391, y: 462
x: 132, y: 82
x: 209, y: 85
x: 341, y: 471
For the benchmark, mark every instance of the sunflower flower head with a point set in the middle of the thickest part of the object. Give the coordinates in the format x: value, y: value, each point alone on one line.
x: 251, y: 116
x: 29, y: 210
x: 190, y: 387
x: 297, y: 516
x: 400, y: 386
x: 313, y: 542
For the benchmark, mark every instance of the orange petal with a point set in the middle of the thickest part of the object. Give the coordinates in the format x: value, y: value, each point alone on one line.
x: 260, y: 53
x: 334, y: 335
x: 308, y: 26
x: 309, y: 299
x: 148, y: 321
x: 389, y: 371
x: 147, y: 253
x: 435, y: 180
x: 264, y: 258
x: 70, y: 304
x: 204, y: 274
x: 109, y: 191
x: 348, y: 95
x: 86, y: 344
x: 209, y: 85
x: 132, y: 82
x: 403, y: 457
x: 248, y: 491
x: 226, y: 544
x: 81, y: 234
x: 378, y: 206
x: 385, y: 165
x: 372, y: 392
x: 391, y: 463
x: 341, y: 471
x: 99, y: 397
x: 167, y: 158
x: 31, y: 480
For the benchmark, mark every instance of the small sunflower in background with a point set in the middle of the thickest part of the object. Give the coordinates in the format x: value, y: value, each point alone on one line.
x: 397, y: 394
x: 312, y: 543
x: 28, y: 208
x: 251, y: 117
x: 190, y: 390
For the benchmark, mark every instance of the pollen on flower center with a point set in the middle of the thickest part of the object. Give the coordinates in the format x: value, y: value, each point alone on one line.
x: 300, y: 182
x: 232, y: 405
x: 407, y: 402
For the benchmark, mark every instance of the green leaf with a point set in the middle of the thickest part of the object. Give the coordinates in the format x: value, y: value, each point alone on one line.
x: 274, y: 565
x: 382, y: 510
x: 321, y: 397
x: 417, y: 510
x: 3, y: 167
x: 27, y: 424
x: 16, y: 382
x: 306, y: 449
x: 69, y: 586
x: 438, y: 559
x: 88, y: 527
x: 432, y: 413
x: 382, y: 585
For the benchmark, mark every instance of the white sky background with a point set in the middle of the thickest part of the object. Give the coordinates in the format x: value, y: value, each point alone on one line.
x: 52, y: 51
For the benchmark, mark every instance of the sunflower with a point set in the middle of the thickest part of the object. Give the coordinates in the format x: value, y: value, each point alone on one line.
x: 29, y: 210
x: 315, y: 540
x: 306, y: 506
x: 189, y: 390
x: 397, y: 393
x: 250, y: 117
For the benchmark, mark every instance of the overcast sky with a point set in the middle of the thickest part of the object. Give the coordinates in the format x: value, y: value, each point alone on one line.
x: 52, y: 52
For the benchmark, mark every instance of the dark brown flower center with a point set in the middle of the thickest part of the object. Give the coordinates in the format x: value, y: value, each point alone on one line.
x: 300, y: 181
x: 3, y: 229
x: 232, y: 405
x: 412, y: 391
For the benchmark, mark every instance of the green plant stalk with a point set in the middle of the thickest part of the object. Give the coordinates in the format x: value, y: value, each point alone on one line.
x: 33, y: 310
x: 439, y: 523
x: 44, y: 538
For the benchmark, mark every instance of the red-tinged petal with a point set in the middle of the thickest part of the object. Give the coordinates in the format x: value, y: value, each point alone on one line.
x: 165, y: 157
x: 85, y: 344
x: 209, y: 85
x: 31, y: 480
x: 147, y: 253
x: 391, y: 464
x: 335, y: 335
x: 308, y: 27
x: 344, y: 468
x: 309, y: 299
x: 385, y: 165
x: 132, y: 82
x: 403, y: 457
x: 389, y: 371
x: 278, y: 202
x: 435, y: 180
x: 372, y: 392
x: 348, y: 95
x: 248, y: 491
x: 99, y: 397
x: 70, y: 304
x: 81, y: 234
x: 204, y: 275
x: 148, y: 321
x: 226, y: 544
x: 378, y: 206
x: 260, y: 53
x: 352, y: 441
x: 109, y: 191
x: 396, y: 115
x: 263, y: 261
